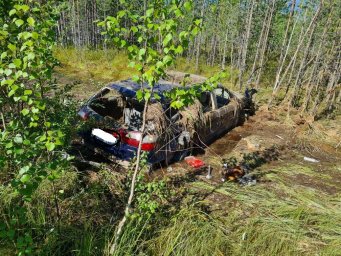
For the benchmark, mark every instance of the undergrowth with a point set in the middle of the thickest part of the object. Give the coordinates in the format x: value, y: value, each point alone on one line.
x: 92, y: 69
x: 277, y: 217
x: 77, y: 214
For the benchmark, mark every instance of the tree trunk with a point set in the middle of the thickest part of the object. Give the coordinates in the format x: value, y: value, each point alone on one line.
x: 313, y: 74
x: 255, y: 61
x: 265, y: 43
x: 245, y: 45
x: 300, y: 43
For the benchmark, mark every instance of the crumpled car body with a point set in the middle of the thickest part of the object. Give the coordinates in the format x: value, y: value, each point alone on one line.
x: 116, y: 119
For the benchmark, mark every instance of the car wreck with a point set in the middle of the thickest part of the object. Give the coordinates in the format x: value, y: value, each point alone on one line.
x: 171, y: 134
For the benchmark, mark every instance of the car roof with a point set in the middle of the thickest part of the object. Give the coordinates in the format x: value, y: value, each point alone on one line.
x: 129, y: 88
x: 161, y: 86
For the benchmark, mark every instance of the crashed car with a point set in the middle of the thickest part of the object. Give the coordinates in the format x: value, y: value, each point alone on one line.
x: 170, y: 134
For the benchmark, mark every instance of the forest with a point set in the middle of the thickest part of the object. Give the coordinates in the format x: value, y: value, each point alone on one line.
x: 58, y: 196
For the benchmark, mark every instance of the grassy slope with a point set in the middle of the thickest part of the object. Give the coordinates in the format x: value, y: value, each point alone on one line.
x: 289, y: 215
x: 91, y: 69
x: 294, y: 210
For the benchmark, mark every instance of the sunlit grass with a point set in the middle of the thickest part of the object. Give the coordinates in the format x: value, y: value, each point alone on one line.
x: 92, y: 69
x: 282, y: 217
x: 277, y: 216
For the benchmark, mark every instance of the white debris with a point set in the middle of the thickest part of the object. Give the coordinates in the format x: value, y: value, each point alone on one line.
x: 280, y: 137
x: 209, y: 173
x: 104, y: 136
x: 309, y: 159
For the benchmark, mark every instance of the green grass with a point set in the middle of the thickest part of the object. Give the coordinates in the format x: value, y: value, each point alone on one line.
x: 90, y: 70
x: 281, y: 215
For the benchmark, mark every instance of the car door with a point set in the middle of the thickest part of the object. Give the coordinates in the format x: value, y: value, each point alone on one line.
x: 212, y: 116
x: 229, y: 110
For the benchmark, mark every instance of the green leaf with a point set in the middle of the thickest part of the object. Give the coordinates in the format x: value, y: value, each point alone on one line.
x: 12, y: 12
x: 50, y: 146
x: 178, y: 12
x: 26, y: 142
x: 195, y: 31
x: 17, y: 62
x: 18, y: 139
x: 131, y: 64
x: 24, y: 170
x: 179, y: 49
x: 156, y: 96
x: 25, y: 178
x: 24, y: 7
x: 177, y: 104
x: 197, y: 22
x: 167, y: 39
x: 42, y: 138
x: 142, y: 52
x: 31, y: 56
x: 12, y: 47
x: 123, y: 43
x: 149, y: 12
x: 147, y: 95
x: 3, y: 55
x: 35, y: 35
x: 31, y: 21
x: 188, y: 6
x: 120, y: 14
x: 19, y: 22
x: 27, y: 92
x: 33, y: 124
x: 9, y: 145
x: 134, y: 29
x: 11, y: 93
x: 139, y: 95
x: 167, y: 60
x: 7, y: 73
x: 25, y: 111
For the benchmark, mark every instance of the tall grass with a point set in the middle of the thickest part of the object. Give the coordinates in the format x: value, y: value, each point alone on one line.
x: 92, y: 69
x: 283, y: 216
x: 191, y: 232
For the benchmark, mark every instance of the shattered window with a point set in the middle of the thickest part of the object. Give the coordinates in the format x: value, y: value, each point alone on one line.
x: 205, y: 100
x: 221, y: 92
x: 223, y: 96
x: 108, y: 103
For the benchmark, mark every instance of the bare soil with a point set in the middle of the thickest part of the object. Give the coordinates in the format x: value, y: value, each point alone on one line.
x: 280, y: 144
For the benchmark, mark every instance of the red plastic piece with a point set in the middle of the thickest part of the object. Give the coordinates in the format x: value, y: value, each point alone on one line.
x: 135, y: 143
x: 194, y: 162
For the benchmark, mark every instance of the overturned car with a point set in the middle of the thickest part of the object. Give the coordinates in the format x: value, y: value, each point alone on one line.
x: 170, y: 134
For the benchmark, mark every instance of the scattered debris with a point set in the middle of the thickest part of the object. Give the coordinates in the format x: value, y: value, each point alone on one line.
x: 309, y: 159
x: 338, y: 144
x: 231, y: 171
x: 194, y: 162
x: 247, y: 180
x: 279, y: 137
x: 209, y: 173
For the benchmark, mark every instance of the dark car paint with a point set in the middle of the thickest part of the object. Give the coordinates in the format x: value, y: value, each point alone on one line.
x: 124, y: 151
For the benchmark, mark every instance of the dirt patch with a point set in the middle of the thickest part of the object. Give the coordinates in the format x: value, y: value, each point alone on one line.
x: 260, y: 136
x: 315, y: 183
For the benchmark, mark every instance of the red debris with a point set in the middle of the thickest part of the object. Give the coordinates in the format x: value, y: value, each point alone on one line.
x: 194, y: 162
